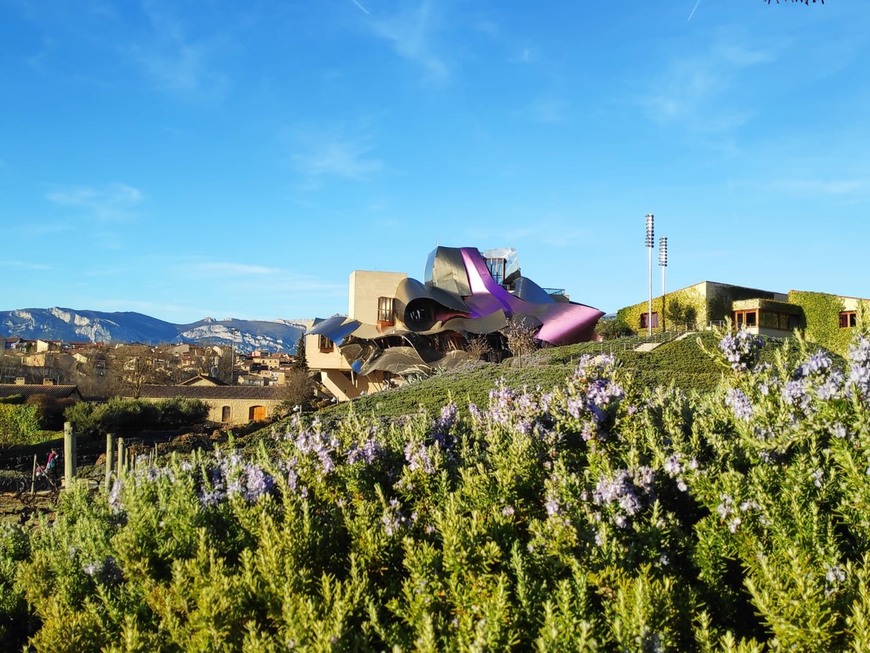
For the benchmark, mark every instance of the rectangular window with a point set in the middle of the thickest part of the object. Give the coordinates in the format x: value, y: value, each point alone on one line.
x: 644, y: 322
x: 496, y: 267
x: 848, y: 319
x: 746, y: 318
x: 385, y: 310
x: 325, y: 344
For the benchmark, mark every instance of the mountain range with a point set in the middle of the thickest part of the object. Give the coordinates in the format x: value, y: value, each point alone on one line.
x: 71, y: 325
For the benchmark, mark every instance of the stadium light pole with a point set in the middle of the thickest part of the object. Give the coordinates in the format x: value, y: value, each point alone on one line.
x: 650, y: 242
x: 663, y: 263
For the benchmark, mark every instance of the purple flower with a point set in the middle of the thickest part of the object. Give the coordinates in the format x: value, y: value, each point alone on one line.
x: 418, y: 458
x: 741, y: 349
x: 366, y: 453
x: 739, y: 404
x: 859, y: 366
x: 259, y: 483
x: 794, y: 393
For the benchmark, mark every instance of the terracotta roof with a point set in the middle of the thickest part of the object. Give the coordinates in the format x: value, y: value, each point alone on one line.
x: 32, y: 389
x: 213, y: 392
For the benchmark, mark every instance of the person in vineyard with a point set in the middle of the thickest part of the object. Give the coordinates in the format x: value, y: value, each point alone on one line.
x: 51, y: 466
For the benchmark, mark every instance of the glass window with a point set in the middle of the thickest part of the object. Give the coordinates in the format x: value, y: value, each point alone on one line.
x: 496, y: 267
x: 644, y: 322
x: 324, y: 343
x: 848, y: 319
x: 385, y: 309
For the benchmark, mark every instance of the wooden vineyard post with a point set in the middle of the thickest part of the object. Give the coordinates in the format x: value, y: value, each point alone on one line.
x: 110, y: 451
x: 69, y: 454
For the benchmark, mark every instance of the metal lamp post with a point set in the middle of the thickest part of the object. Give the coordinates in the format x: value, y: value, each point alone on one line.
x: 663, y: 263
x: 650, y: 242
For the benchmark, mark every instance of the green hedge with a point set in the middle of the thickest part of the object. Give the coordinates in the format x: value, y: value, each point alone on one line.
x: 129, y: 415
x: 19, y: 424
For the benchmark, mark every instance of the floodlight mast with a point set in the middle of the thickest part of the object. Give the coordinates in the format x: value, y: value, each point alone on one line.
x: 663, y: 263
x: 650, y: 242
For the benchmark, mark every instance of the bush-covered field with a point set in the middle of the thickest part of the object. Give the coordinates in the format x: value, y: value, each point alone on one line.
x: 680, y: 362
x: 599, y: 514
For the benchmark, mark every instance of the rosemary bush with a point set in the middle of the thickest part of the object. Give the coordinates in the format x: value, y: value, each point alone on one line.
x: 594, y: 515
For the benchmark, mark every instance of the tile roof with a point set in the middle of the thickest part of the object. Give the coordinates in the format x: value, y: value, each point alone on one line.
x: 32, y: 389
x: 213, y: 392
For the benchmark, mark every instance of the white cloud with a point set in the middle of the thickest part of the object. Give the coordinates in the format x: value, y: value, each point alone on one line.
x: 112, y: 203
x: 411, y: 31
x: 696, y: 91
x: 835, y: 187
x: 234, y: 269
x: 24, y: 265
x: 321, y: 153
x: 173, y: 60
x: 259, y: 279
x: 547, y: 111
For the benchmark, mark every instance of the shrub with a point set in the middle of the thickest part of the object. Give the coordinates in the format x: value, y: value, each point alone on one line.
x: 19, y: 424
x: 596, y: 514
x: 125, y: 416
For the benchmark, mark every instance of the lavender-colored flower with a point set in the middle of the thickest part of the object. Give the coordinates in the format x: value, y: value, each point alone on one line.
x: 818, y: 476
x: 835, y: 574
x: 393, y: 519
x: 259, y: 483
x: 739, y: 404
x: 859, y: 366
x: 366, y: 452
x: 115, y: 504
x: 795, y: 394
x: 417, y: 456
x: 816, y: 364
x: 552, y: 506
x: 626, y: 493
x: 446, y: 419
x: 741, y: 349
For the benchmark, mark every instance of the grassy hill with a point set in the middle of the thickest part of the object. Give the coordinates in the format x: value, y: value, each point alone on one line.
x: 681, y: 362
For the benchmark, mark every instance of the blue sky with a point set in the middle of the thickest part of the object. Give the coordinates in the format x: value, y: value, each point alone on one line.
x: 239, y: 159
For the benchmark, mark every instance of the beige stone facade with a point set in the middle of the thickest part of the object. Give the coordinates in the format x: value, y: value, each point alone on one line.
x: 228, y: 405
x: 366, y: 287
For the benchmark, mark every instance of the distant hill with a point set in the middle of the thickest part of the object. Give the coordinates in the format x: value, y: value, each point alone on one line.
x: 96, y: 326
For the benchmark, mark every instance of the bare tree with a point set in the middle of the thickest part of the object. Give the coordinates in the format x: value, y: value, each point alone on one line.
x: 520, y: 337
x: 298, y: 389
x: 478, y: 347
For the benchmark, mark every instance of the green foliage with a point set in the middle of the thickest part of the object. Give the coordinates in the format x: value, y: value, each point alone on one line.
x: 611, y: 329
x: 822, y: 312
x: 19, y: 424
x: 682, y: 309
x: 124, y: 416
x: 593, y: 514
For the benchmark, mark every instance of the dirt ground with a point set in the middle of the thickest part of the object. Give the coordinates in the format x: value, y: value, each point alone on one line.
x: 19, y: 508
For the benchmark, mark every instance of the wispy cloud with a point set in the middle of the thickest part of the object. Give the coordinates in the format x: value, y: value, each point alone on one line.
x: 173, y: 60
x: 553, y: 231
x: 695, y: 91
x: 262, y: 279
x: 828, y: 187
x: 24, y: 265
x: 233, y: 269
x: 548, y: 111
x: 333, y: 153
x: 411, y: 31
x: 113, y: 203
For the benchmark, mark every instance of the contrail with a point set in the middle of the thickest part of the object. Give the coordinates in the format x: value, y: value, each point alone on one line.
x: 690, y: 15
x: 366, y: 11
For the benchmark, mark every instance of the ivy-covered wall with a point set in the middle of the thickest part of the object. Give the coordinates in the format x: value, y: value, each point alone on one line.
x: 702, y: 303
x: 822, y: 311
x: 685, y: 305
